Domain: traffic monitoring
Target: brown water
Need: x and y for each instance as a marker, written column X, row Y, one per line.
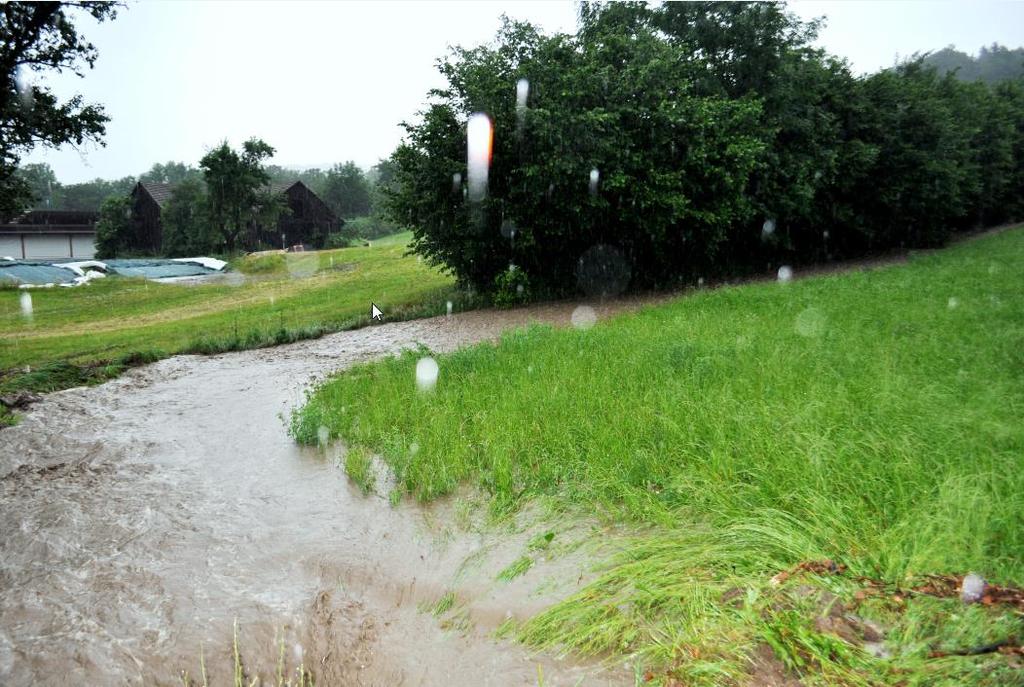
column 140, row 519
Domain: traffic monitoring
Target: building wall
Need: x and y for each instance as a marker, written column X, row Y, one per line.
column 84, row 246
column 10, row 246
column 48, row 246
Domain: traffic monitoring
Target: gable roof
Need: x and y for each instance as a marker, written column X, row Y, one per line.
column 282, row 186
column 160, row 192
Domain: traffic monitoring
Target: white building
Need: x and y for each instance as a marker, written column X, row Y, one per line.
column 49, row 235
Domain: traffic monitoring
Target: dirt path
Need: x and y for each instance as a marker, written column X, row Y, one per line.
column 139, row 519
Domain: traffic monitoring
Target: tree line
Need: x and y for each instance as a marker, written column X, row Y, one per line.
column 661, row 144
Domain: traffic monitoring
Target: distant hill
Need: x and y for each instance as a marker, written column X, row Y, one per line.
column 992, row 64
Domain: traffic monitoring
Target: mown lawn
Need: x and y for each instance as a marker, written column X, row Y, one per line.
column 117, row 321
column 874, row 419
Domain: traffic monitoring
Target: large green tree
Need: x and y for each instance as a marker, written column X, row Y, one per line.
column 36, row 38
column 114, row 228
column 235, row 183
column 347, row 191
column 187, row 230
column 42, row 183
column 615, row 166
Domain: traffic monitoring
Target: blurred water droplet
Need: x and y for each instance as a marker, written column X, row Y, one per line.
column 298, row 652
column 448, row 305
column 583, row 317
column 479, row 140
column 508, row 229
column 824, row 234
column 522, row 94
column 519, row 289
column 529, row 369
column 700, row 281
column 414, row 448
column 767, row 229
column 595, row 177
column 785, row 273
column 26, row 305
column 426, row 373
column 953, row 303
column 603, row 271
column 23, row 85
column 456, row 182
column 972, row 589
column 810, row 323
column 322, row 435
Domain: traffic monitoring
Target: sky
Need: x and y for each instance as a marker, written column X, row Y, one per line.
column 326, row 82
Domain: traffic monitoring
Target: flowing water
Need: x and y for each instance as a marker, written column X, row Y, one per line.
column 143, row 519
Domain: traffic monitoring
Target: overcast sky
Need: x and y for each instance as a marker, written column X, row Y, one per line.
column 325, row 82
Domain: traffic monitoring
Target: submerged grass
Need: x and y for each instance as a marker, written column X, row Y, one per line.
column 873, row 418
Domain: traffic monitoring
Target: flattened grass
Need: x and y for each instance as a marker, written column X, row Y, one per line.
column 875, row 418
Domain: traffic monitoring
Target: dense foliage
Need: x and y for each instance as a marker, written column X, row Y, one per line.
column 662, row 144
column 187, row 229
column 114, row 227
column 36, row 38
column 236, row 187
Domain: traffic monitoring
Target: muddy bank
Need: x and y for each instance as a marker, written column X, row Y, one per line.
column 140, row 519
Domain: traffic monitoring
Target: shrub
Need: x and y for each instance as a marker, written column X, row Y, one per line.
column 511, row 287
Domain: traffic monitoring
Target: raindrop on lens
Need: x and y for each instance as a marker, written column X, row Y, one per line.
column 700, row 281
column 414, row 448
column 448, row 305
column 298, row 652
column 24, row 87
column 522, row 93
column 595, row 177
column 785, row 274
column 810, row 323
column 322, row 435
column 583, row 317
column 479, row 139
column 767, row 229
column 26, row 304
column 603, row 271
column 456, row 182
column 953, row 302
column 508, row 229
column 426, row 374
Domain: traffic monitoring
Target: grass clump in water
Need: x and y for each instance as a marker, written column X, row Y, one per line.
column 359, row 468
column 872, row 418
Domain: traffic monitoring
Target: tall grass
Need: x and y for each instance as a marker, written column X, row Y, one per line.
column 875, row 418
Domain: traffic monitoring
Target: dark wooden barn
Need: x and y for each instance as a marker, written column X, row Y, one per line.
column 148, row 200
column 309, row 219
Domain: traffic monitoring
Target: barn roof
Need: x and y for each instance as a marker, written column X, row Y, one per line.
column 158, row 191
column 65, row 217
column 282, row 186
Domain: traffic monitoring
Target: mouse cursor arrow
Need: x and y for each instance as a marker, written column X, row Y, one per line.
column 375, row 313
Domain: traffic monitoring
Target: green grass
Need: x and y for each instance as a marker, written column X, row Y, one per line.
column 400, row 239
column 86, row 330
column 875, row 418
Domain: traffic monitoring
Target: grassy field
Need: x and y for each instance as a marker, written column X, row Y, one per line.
column 88, row 333
column 874, row 419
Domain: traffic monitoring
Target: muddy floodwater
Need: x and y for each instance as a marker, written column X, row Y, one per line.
column 142, row 519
